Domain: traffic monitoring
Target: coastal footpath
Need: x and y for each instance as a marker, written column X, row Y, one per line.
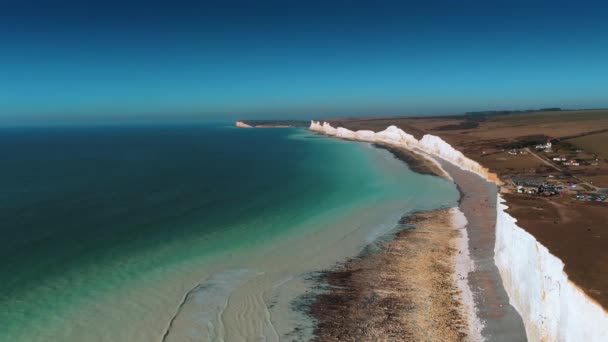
column 552, row 307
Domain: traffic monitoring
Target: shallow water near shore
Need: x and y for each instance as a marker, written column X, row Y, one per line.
column 185, row 233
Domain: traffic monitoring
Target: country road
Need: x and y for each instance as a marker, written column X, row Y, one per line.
column 543, row 160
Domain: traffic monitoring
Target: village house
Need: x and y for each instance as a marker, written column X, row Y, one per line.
column 530, row 186
column 547, row 146
column 562, row 158
column 543, row 146
column 527, row 189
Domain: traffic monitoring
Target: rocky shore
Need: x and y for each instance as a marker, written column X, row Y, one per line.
column 403, row 291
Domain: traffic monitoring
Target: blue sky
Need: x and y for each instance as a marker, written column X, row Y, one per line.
column 81, row 61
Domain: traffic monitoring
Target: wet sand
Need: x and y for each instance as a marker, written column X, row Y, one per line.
column 404, row 290
column 478, row 203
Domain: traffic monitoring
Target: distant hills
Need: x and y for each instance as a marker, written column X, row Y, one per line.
column 505, row 112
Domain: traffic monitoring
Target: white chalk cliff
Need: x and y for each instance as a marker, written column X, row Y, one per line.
column 552, row 307
column 395, row 136
column 241, row 124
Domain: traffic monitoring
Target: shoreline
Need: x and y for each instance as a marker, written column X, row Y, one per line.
column 532, row 284
column 489, row 313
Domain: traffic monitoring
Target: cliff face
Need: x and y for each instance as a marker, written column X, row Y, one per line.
column 395, row 136
column 552, row 307
column 242, row 125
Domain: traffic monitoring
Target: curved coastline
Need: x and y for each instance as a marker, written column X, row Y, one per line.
column 549, row 304
column 483, row 284
column 362, row 278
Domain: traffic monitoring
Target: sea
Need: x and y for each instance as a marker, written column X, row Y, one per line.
column 175, row 232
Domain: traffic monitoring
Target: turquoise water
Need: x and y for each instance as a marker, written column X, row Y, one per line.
column 106, row 229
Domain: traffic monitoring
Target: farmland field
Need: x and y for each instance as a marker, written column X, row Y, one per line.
column 594, row 143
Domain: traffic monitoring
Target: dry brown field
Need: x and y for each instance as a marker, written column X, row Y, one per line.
column 574, row 231
column 595, row 143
